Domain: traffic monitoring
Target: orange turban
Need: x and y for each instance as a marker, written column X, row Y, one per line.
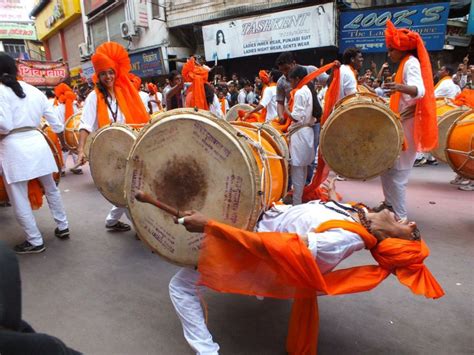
column 197, row 75
column 425, row 125
column 152, row 88
column 66, row 96
column 136, row 80
column 465, row 98
column 111, row 55
column 263, row 75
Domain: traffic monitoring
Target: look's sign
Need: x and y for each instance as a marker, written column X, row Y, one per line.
column 365, row 29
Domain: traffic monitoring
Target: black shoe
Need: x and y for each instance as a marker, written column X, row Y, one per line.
column 76, row 171
column 420, row 162
column 432, row 162
column 64, row 234
column 382, row 206
column 63, row 173
column 27, row 248
column 119, row 227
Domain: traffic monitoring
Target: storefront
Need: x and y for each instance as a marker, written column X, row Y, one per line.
column 147, row 63
column 59, row 27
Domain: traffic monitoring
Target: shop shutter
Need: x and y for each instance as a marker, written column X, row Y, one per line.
column 74, row 35
column 55, row 47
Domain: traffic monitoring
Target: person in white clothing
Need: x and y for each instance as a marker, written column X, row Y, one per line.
column 145, row 98
column 329, row 249
column 446, row 86
column 213, row 101
column 25, row 154
column 301, row 132
column 268, row 101
column 244, row 92
column 352, row 62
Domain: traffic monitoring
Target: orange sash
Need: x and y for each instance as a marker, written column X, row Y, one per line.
column 465, row 98
column 222, row 101
column 280, row 265
column 197, row 75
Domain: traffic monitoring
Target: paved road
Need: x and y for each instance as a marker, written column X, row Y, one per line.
column 106, row 293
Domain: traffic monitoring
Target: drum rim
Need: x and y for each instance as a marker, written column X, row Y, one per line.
column 451, row 128
column 229, row 131
column 458, row 110
column 57, row 177
column 235, row 108
column 72, row 131
column 115, row 126
column 380, row 107
column 377, row 99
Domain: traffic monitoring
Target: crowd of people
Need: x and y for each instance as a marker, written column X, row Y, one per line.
column 295, row 98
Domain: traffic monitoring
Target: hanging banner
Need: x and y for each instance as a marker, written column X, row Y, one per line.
column 17, row 31
column 15, row 10
column 147, row 63
column 141, row 13
column 42, row 73
column 365, row 29
column 308, row 27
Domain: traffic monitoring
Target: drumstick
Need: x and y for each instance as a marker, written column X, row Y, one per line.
column 146, row 198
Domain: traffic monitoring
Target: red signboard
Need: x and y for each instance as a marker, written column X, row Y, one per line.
column 39, row 73
column 92, row 5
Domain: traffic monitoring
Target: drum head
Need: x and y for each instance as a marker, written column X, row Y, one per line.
column 460, row 146
column 71, row 131
column 233, row 113
column 108, row 155
column 360, row 140
column 444, row 123
column 190, row 160
column 367, row 97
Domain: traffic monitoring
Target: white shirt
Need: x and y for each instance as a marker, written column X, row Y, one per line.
column 302, row 141
column 348, row 81
column 269, row 102
column 145, row 98
column 89, row 120
column 154, row 105
column 215, row 108
column 328, row 248
column 241, row 99
column 61, row 111
column 447, row 88
column 25, row 155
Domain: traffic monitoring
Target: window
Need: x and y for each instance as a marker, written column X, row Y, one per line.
column 14, row 50
column 99, row 32
column 158, row 10
column 114, row 19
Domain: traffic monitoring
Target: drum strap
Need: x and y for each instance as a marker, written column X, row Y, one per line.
column 17, row 130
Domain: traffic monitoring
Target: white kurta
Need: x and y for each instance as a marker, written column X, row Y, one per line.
column 348, row 81
column 447, row 88
column 154, row 106
column 302, row 141
column 215, row 108
column 242, row 98
column 269, row 102
column 145, row 98
column 25, row 155
column 89, row 113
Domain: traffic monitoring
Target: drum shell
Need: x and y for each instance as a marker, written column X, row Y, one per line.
column 71, row 131
column 230, row 195
column 108, row 154
column 460, row 145
column 362, row 138
column 445, row 121
column 232, row 114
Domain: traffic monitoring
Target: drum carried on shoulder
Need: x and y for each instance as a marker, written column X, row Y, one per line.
column 190, row 160
column 362, row 138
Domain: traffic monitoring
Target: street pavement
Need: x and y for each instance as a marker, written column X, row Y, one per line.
column 106, row 293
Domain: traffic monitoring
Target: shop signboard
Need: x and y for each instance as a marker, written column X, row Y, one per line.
column 57, row 14
column 302, row 28
column 42, row 73
column 365, row 29
column 147, row 63
column 87, row 71
column 141, row 13
column 92, row 5
column 15, row 10
column 17, row 30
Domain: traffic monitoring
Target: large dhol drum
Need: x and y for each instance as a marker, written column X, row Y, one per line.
column 233, row 113
column 362, row 137
column 190, row 160
column 108, row 154
column 71, row 130
column 447, row 113
column 460, row 145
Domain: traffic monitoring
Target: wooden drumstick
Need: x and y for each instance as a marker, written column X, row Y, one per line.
column 146, row 198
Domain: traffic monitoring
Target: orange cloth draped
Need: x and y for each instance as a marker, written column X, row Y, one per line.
column 136, row 80
column 197, row 75
column 35, row 194
column 465, row 98
column 280, row 265
column 111, row 55
column 153, row 90
column 425, row 124
column 222, row 101
column 65, row 95
column 312, row 191
column 253, row 117
column 263, row 75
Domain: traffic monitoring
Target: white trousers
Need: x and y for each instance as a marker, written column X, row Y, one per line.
column 184, row 295
column 66, row 155
column 115, row 214
column 298, row 179
column 18, row 195
column 394, row 185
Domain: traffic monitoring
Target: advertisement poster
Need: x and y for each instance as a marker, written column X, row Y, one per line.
column 16, row 10
column 365, row 29
column 17, row 31
column 40, row 73
column 308, row 27
column 92, row 5
column 147, row 63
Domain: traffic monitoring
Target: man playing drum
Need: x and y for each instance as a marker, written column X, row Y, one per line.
column 412, row 98
column 352, row 62
column 283, row 265
column 114, row 99
column 25, row 154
